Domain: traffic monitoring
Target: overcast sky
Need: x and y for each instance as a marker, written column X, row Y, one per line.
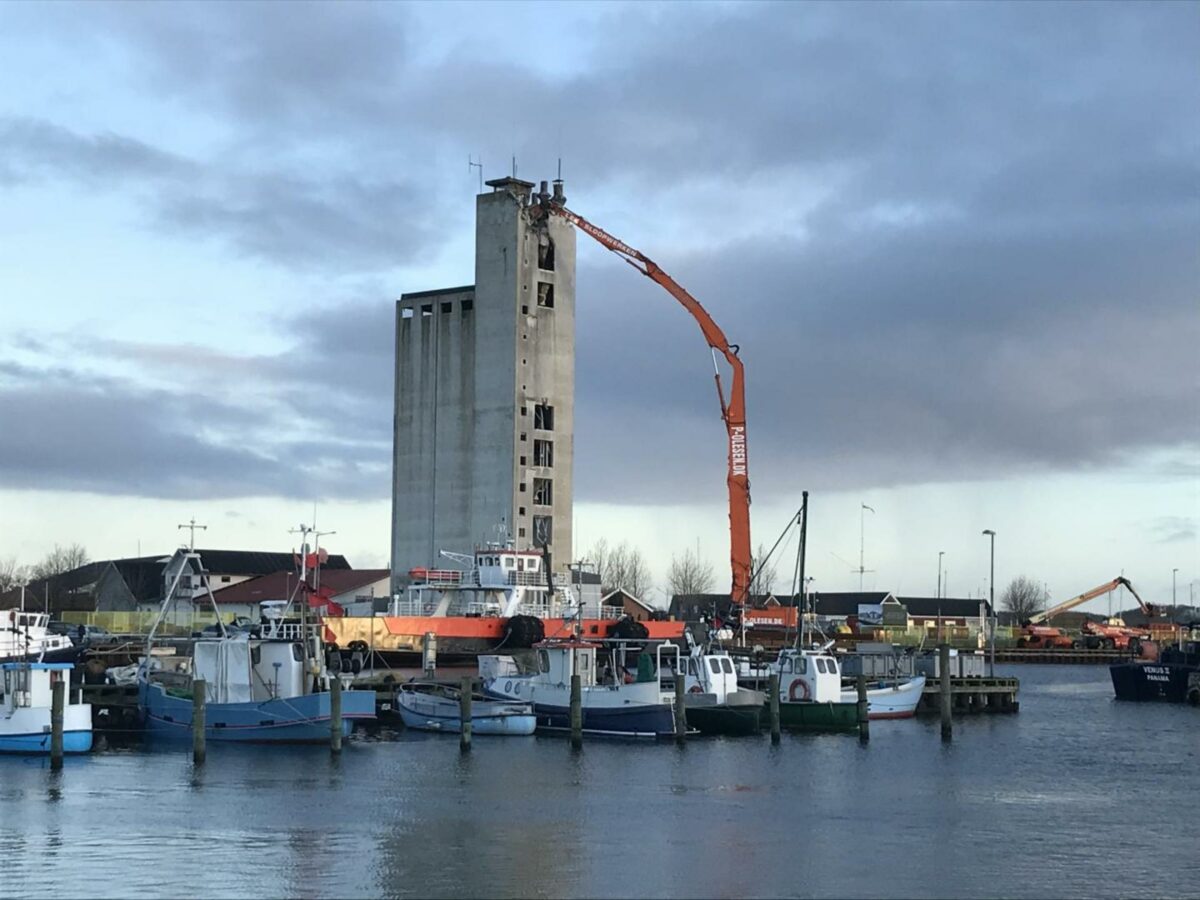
column 956, row 243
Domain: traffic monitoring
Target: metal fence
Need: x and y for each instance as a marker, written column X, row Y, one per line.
column 176, row 622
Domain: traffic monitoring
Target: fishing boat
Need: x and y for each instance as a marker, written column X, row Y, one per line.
column 26, row 635
column 26, row 692
column 1174, row 677
column 890, row 701
column 610, row 705
column 714, row 702
column 429, row 706
column 810, row 691
column 263, row 687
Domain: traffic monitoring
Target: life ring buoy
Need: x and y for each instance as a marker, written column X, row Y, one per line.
column 695, row 689
column 798, row 686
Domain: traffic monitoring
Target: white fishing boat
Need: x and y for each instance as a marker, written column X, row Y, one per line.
column 429, row 706
column 25, row 635
column 610, row 705
column 890, row 701
column 26, row 693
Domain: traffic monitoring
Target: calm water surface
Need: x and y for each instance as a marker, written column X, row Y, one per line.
column 1076, row 796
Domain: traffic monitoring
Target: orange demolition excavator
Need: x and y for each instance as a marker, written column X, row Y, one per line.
column 733, row 410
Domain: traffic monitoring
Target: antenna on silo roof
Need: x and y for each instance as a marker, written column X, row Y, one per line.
column 476, row 165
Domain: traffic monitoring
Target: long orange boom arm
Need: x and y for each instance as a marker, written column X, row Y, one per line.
column 733, row 411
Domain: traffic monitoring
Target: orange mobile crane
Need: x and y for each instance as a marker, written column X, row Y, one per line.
column 733, row 410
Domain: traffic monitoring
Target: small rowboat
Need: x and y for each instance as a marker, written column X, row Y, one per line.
column 891, row 701
column 429, row 706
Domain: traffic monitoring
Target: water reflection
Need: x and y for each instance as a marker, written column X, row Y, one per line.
column 824, row 816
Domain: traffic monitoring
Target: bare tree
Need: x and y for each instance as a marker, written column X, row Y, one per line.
column 689, row 575
column 11, row 575
column 620, row 567
column 763, row 581
column 59, row 560
column 1023, row 597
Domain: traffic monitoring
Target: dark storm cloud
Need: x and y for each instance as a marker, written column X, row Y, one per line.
column 65, row 430
column 337, row 222
column 953, row 241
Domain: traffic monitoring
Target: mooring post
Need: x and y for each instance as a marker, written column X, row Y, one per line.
column 466, row 686
column 945, row 687
column 198, row 720
column 680, row 711
column 428, row 654
column 56, row 724
column 576, row 711
column 773, row 706
column 335, row 714
column 864, row 721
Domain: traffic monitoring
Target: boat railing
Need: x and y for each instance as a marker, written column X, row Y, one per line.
column 411, row 606
column 289, row 631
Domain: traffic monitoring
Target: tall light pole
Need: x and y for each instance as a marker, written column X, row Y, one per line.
column 862, row 526
column 992, row 604
column 941, row 553
column 1173, row 571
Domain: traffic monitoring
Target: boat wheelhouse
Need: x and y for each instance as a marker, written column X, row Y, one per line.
column 496, row 581
column 26, row 635
column 26, row 694
column 810, row 691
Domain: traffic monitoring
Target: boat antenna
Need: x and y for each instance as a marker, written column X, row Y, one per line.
column 802, row 551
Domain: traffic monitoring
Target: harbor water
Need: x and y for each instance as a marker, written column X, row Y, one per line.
column 1075, row 796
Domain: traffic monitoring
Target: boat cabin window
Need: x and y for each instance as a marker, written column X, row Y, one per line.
column 715, row 665
column 691, row 666
column 297, row 653
column 786, row 665
column 543, row 661
column 802, row 666
column 727, row 665
column 508, row 562
column 255, row 655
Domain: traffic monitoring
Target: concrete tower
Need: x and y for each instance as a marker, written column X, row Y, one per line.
column 485, row 393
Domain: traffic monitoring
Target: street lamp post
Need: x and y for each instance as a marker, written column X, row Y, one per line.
column 941, row 553
column 1173, row 571
column 992, row 604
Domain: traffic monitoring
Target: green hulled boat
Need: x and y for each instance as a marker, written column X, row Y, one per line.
column 810, row 692
column 809, row 715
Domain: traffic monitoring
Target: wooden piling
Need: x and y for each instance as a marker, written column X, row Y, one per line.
column 576, row 711
column 199, row 701
column 680, row 709
column 773, row 706
column 57, row 695
column 864, row 720
column 335, row 714
column 466, row 686
column 946, row 696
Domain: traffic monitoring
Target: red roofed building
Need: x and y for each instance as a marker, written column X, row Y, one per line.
column 340, row 586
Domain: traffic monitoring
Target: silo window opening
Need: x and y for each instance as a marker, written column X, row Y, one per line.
column 543, row 453
column 543, row 416
column 543, row 528
column 545, row 295
column 545, row 253
column 427, row 309
column 406, row 312
column 543, row 492
column 467, row 306
column 447, row 306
